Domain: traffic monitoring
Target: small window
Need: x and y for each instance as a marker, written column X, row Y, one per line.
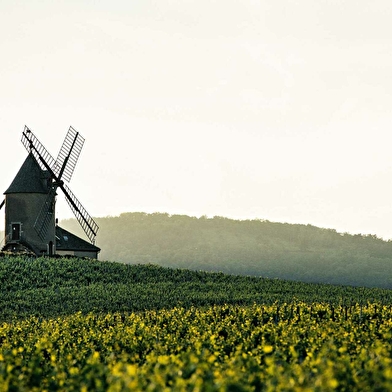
column 15, row 231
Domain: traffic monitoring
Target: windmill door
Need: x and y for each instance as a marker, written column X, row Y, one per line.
column 15, row 231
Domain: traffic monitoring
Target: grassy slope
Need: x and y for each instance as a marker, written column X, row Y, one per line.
column 51, row 287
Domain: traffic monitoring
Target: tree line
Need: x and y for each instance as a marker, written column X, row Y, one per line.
column 245, row 247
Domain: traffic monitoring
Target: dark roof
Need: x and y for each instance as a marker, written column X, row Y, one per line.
column 68, row 241
column 30, row 178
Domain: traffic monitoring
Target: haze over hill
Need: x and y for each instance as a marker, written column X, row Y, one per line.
column 248, row 247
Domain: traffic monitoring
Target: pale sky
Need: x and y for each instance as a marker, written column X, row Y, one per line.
column 277, row 110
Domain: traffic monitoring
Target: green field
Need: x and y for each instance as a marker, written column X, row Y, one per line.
column 83, row 325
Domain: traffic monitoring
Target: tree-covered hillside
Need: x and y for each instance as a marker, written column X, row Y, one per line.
column 249, row 247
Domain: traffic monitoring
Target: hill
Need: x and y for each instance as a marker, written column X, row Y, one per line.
column 48, row 287
column 249, row 247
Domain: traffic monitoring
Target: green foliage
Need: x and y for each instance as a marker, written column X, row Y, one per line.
column 88, row 325
column 250, row 247
column 48, row 287
column 286, row 347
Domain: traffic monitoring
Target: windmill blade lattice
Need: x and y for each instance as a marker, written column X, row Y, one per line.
column 85, row 220
column 45, row 216
column 65, row 165
column 68, row 155
column 33, row 145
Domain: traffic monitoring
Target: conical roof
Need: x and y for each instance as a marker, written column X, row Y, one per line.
column 30, row 178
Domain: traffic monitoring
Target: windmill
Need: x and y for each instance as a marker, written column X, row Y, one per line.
column 31, row 198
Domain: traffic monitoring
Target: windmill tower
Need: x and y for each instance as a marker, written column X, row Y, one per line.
column 30, row 201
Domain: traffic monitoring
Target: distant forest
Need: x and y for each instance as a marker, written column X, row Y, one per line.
column 245, row 247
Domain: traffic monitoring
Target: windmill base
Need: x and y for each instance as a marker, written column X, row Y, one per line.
column 16, row 249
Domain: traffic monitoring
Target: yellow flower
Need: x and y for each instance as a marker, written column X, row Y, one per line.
column 268, row 349
column 164, row 359
column 73, row 371
column 131, row 370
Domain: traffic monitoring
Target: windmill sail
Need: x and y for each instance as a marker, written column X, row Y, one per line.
column 33, row 145
column 69, row 154
column 45, row 217
column 63, row 166
column 86, row 221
